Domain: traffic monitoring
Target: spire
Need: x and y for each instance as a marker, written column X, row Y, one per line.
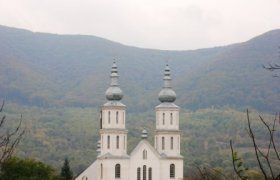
column 167, row 94
column 98, row 150
column 114, row 92
column 144, row 134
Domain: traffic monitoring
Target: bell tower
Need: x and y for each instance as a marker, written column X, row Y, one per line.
column 113, row 133
column 167, row 136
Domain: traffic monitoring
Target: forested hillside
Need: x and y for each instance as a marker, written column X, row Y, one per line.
column 72, row 70
column 57, row 82
column 56, row 133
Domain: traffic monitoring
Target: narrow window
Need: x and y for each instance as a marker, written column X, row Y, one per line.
column 101, row 123
column 108, row 142
column 162, row 143
column 144, row 154
column 118, row 142
column 117, row 117
column 171, row 118
column 156, row 142
column 101, row 171
column 109, row 117
column 172, row 171
column 163, row 118
column 123, row 118
column 171, row 143
column 157, row 116
column 150, row 173
column 139, row 173
column 118, row 171
column 178, row 145
column 144, row 172
column 124, row 142
column 102, row 142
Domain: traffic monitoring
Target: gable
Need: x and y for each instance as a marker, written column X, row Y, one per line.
column 144, row 145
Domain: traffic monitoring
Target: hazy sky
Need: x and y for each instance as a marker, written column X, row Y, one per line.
column 161, row 24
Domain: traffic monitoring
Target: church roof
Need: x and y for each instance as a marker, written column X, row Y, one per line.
column 114, row 103
column 167, row 94
column 110, row 156
column 163, row 155
column 144, row 142
column 167, row 105
column 114, row 92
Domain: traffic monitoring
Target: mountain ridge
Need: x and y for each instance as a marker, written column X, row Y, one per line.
column 72, row 70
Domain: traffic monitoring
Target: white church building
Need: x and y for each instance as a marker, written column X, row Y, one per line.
column 161, row 161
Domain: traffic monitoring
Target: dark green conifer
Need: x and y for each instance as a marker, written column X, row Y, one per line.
column 66, row 173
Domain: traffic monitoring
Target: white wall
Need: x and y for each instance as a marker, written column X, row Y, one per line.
column 164, row 119
column 136, row 160
column 122, row 150
column 167, row 143
column 165, row 169
column 90, row 173
column 112, row 122
column 113, row 126
column 109, row 169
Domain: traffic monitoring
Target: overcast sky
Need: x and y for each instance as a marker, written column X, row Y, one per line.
column 160, row 24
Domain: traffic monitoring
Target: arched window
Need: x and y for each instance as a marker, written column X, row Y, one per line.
column 162, row 143
column 118, row 142
column 109, row 117
column 144, row 172
column 163, row 118
column 123, row 142
column 84, row 178
column 144, row 154
column 150, row 173
column 117, row 117
column 178, row 143
column 171, row 118
column 139, row 173
column 171, row 143
column 118, row 171
column 108, row 142
column 102, row 142
column 156, row 143
column 172, row 171
column 101, row 123
column 101, row 171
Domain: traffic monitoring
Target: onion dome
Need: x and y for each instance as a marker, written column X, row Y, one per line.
column 144, row 134
column 98, row 150
column 167, row 94
column 114, row 92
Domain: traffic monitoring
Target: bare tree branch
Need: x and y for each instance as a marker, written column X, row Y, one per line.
column 233, row 160
column 9, row 141
column 255, row 146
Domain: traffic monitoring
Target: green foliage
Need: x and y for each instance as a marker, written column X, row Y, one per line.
column 53, row 133
column 255, row 175
column 26, row 169
column 240, row 169
column 66, row 173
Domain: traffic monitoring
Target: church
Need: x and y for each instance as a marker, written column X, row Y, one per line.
column 161, row 161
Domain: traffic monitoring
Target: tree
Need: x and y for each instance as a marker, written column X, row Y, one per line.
column 8, row 139
column 208, row 173
column 66, row 172
column 265, row 157
column 26, row 169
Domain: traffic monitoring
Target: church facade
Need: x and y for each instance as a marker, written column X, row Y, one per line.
column 161, row 161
